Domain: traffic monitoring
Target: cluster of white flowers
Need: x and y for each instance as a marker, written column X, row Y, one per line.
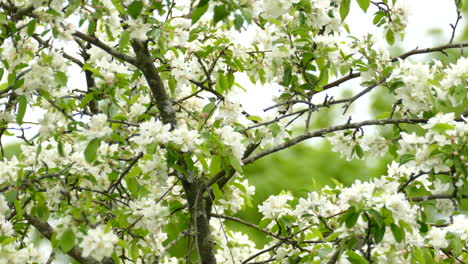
column 187, row 139
column 9, row 253
column 453, row 85
column 43, row 73
column 230, row 111
column 181, row 31
column 154, row 131
column 155, row 166
column 235, row 247
column 233, row 140
column 235, row 196
column 275, row 206
column 184, row 69
column 52, row 123
column 422, row 146
column 345, row 143
column 138, row 29
column 148, row 214
column 98, row 243
column 6, row 228
column 275, row 8
column 9, row 170
column 97, row 127
column 417, row 92
column 18, row 53
column 151, row 131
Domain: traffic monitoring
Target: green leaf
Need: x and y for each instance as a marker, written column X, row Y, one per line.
column 92, row 26
column 222, row 83
column 440, row 128
column 378, row 17
column 383, row 115
column 134, row 251
column 359, row 152
column 398, row 232
column 67, row 241
column 31, row 27
column 215, row 165
column 10, row 196
column 363, row 4
column 61, row 78
column 88, row 98
column 376, row 217
column 22, row 105
column 61, row 152
column 390, row 37
column 217, row 192
column 220, row 12
column 203, row 2
column 287, row 76
column 198, row 12
column 264, row 223
column 355, row 258
column 378, row 233
column 124, row 41
column 135, row 8
column 344, row 9
column 352, row 219
column 406, row 158
column 42, row 211
column 238, row 22
column 90, row 152
column 132, row 185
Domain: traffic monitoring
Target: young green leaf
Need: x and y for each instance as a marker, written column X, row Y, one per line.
column 363, row 4
column 31, row 27
column 198, row 12
column 344, row 9
column 61, row 78
column 90, row 152
column 67, row 241
column 355, row 258
column 390, row 37
column 22, row 105
column 124, row 41
column 397, row 232
column 220, row 12
column 135, row 8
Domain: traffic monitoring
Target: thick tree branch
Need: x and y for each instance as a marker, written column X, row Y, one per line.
column 146, row 65
column 200, row 211
column 98, row 43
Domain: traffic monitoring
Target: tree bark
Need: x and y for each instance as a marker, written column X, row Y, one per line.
column 200, row 209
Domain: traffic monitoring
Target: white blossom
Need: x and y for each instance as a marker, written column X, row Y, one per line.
column 275, row 206
column 98, row 127
column 98, row 243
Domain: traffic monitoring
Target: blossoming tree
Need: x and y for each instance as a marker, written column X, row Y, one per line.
column 141, row 146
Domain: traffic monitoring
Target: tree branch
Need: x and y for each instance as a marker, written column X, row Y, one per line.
column 324, row 131
column 98, row 43
column 145, row 63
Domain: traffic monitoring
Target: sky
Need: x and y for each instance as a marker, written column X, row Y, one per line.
column 424, row 15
